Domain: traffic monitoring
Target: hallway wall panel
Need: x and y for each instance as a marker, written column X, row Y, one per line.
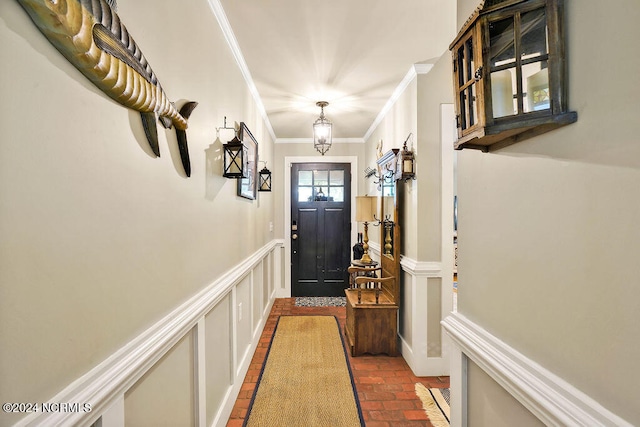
column 100, row 240
column 548, row 232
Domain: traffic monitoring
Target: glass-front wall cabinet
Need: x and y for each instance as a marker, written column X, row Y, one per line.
column 509, row 73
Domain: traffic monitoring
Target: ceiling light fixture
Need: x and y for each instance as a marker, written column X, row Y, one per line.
column 322, row 130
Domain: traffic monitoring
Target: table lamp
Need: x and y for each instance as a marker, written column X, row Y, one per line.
column 366, row 213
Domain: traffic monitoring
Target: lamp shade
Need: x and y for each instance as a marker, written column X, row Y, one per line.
column 366, row 208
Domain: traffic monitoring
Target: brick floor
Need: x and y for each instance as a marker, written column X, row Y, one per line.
column 385, row 385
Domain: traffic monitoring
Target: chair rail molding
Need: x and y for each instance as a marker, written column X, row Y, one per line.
column 421, row 268
column 550, row 398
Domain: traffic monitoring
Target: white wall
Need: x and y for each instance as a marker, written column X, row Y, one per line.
column 99, row 241
column 547, row 227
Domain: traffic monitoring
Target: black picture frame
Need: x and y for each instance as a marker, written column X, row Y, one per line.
column 247, row 187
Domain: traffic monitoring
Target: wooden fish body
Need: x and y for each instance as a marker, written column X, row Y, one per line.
column 90, row 35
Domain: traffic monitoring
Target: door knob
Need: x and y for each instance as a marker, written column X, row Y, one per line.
column 294, row 236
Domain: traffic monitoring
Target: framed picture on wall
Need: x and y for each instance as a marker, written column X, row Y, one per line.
column 247, row 187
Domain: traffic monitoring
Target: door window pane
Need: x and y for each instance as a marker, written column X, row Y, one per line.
column 336, row 177
column 320, row 178
column 336, row 194
column 305, row 194
column 321, row 194
column 305, row 178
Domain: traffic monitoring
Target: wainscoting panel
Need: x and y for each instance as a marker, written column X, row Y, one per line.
column 204, row 346
column 550, row 398
column 218, row 356
column 426, row 298
column 168, row 384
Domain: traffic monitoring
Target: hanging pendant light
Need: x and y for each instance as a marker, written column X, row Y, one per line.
column 322, row 131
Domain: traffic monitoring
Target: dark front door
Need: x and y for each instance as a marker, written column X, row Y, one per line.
column 320, row 228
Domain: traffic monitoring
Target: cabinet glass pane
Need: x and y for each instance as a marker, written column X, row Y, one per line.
column 463, row 111
column 472, row 110
column 503, row 90
column 501, row 35
column 320, row 178
column 460, row 66
column 535, row 49
column 536, row 87
column 533, row 28
column 469, row 60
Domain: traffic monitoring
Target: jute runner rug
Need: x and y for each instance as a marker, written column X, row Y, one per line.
column 306, row 379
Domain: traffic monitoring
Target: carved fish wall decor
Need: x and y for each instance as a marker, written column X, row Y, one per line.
column 90, row 35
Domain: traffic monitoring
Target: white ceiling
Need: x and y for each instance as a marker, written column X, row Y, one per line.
column 351, row 53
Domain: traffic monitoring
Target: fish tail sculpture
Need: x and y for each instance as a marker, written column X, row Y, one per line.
column 91, row 37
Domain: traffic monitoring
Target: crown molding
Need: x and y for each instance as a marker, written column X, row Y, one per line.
column 310, row 141
column 227, row 31
column 414, row 70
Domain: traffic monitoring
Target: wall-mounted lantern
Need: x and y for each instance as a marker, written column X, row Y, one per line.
column 234, row 154
column 265, row 179
column 406, row 163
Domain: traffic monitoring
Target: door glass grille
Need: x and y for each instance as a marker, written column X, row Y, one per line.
column 321, row 186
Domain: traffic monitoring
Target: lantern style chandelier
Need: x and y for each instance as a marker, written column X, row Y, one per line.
column 322, row 130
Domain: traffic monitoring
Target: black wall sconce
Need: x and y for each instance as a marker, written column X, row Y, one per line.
column 265, row 179
column 234, row 155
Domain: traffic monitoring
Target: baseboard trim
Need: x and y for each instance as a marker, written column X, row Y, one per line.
column 106, row 383
column 422, row 365
column 550, row 398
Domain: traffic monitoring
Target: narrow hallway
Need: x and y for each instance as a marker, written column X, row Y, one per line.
column 385, row 385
